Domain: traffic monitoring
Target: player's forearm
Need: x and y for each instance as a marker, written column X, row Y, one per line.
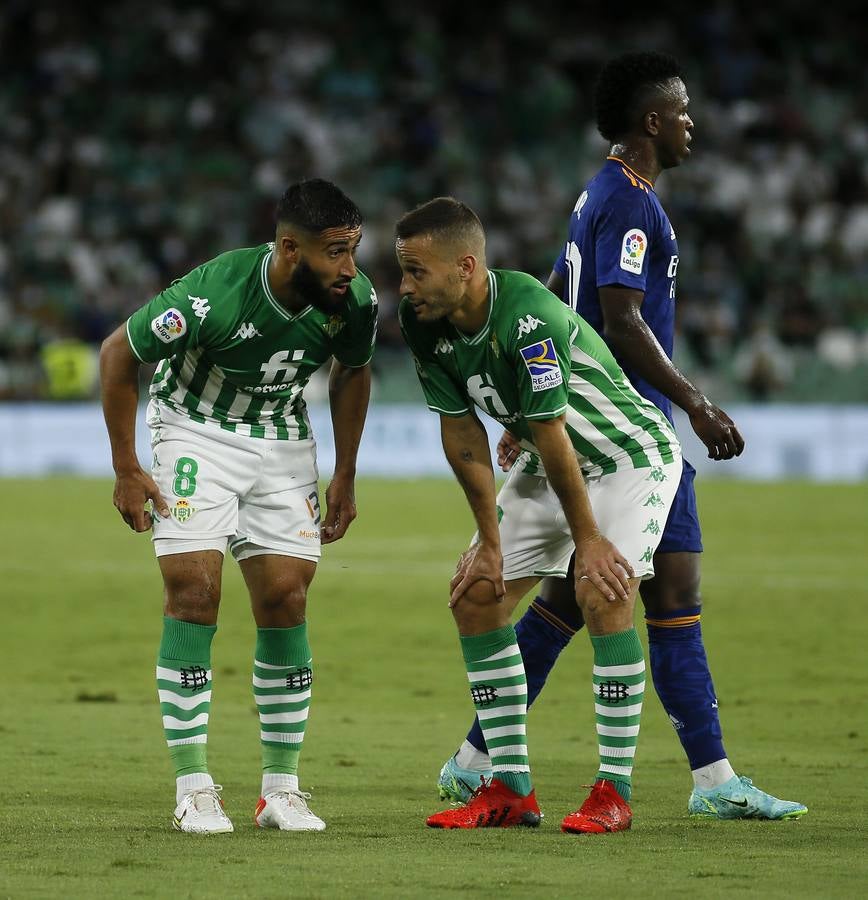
column 466, row 446
column 119, row 391
column 564, row 475
column 349, row 394
column 634, row 343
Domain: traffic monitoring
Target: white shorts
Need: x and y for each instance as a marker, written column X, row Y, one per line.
column 630, row 506
column 255, row 495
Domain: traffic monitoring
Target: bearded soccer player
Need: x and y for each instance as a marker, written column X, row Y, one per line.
column 606, row 467
column 618, row 269
column 234, row 465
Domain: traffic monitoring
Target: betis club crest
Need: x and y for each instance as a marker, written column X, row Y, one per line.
column 182, row 511
column 334, row 325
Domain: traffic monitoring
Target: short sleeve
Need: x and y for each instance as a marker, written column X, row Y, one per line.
column 560, row 265
column 542, row 362
column 169, row 323
column 354, row 346
column 442, row 394
column 623, row 232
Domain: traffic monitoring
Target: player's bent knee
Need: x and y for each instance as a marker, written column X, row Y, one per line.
column 675, row 585
column 478, row 609
column 604, row 616
column 290, row 599
column 193, row 602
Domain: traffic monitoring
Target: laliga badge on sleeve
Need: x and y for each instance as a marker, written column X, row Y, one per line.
column 169, row 326
column 633, row 249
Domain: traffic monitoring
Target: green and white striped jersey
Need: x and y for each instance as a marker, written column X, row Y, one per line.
column 537, row 359
column 232, row 355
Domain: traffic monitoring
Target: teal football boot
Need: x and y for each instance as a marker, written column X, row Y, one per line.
column 739, row 799
column 457, row 784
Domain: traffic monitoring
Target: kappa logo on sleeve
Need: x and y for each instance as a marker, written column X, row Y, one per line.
column 169, row 325
column 542, row 363
column 633, row 249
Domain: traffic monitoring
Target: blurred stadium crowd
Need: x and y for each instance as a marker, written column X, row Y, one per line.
column 139, row 140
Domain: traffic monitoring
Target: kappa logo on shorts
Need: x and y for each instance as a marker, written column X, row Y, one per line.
column 633, row 249
column 542, row 363
column 183, row 512
column 169, row 326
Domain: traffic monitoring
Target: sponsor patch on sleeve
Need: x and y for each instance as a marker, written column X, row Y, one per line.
column 542, row 364
column 633, row 249
column 169, row 325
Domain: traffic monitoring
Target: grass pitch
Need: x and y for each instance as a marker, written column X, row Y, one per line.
column 88, row 790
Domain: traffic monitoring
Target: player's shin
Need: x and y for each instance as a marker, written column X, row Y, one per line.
column 498, row 688
column 619, row 687
column 542, row 634
column 282, row 679
column 184, row 689
column 683, row 682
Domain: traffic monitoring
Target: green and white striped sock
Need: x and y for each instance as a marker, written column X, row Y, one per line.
column 282, row 679
column 498, row 687
column 619, row 688
column 184, row 689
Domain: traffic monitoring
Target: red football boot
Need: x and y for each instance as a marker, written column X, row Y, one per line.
column 492, row 805
column 604, row 810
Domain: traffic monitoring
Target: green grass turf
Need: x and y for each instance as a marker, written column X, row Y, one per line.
column 88, row 790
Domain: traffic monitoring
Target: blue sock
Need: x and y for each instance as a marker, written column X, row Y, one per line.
column 683, row 683
column 541, row 637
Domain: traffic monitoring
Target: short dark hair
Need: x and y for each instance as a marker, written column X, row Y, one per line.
column 315, row 205
column 623, row 83
column 440, row 217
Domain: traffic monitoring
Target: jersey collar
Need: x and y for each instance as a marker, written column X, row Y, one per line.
column 281, row 310
column 641, row 178
column 483, row 332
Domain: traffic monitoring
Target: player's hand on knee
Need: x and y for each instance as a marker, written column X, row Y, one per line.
column 508, row 449
column 599, row 562
column 132, row 492
column 480, row 563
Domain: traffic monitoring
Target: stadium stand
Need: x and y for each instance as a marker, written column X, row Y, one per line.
column 139, row 140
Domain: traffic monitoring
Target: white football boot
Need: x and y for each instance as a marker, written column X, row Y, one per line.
column 288, row 811
column 201, row 812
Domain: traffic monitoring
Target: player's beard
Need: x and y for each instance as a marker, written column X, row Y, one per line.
column 305, row 283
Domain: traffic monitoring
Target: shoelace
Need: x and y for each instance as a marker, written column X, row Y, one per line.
column 484, row 785
column 303, row 797
column 208, row 799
